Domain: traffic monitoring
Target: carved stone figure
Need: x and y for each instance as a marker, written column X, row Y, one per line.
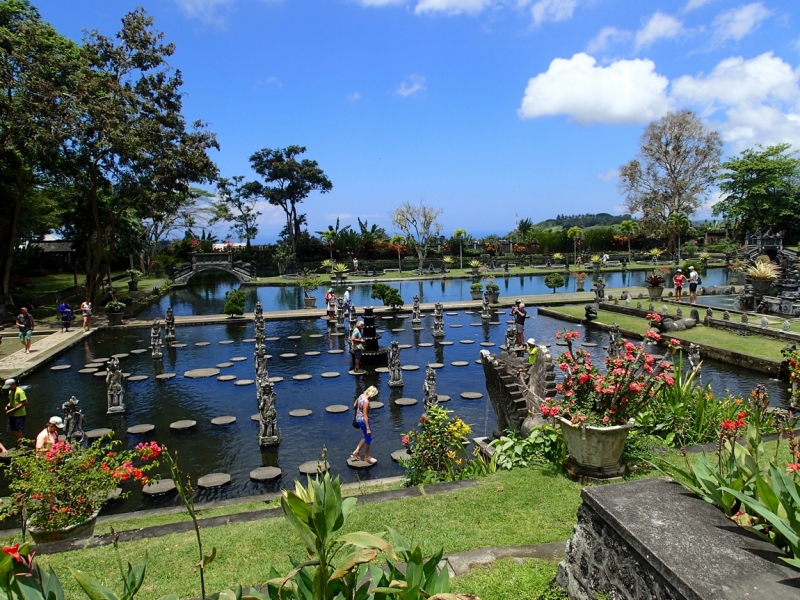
column 169, row 327
column 599, row 289
column 114, row 388
column 73, row 421
column 339, row 313
column 694, row 356
column 485, row 314
column 395, row 372
column 438, row 320
column 615, row 342
column 415, row 318
column 429, row 395
column 259, row 312
column 155, row 340
column 511, row 338
column 268, row 434
column 590, row 312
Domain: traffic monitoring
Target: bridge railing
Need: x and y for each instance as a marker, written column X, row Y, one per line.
column 204, row 258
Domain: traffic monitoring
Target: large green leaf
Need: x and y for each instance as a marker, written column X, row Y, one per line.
column 351, row 561
column 295, row 511
column 94, row 590
column 362, row 539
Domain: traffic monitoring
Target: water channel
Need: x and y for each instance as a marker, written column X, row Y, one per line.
column 234, row 448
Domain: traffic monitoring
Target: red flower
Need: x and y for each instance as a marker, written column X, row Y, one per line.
column 791, row 469
column 653, row 335
column 13, row 552
column 405, row 439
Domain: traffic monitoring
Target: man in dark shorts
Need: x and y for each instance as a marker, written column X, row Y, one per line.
column 25, row 324
column 357, row 344
column 693, row 276
column 15, row 409
column 520, row 314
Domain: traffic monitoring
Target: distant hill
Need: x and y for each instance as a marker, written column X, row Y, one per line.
column 584, row 221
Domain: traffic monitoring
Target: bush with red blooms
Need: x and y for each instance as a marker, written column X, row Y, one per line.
column 587, row 396
column 66, row 484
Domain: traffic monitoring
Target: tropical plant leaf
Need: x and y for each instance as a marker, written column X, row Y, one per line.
column 352, row 561
column 94, row 590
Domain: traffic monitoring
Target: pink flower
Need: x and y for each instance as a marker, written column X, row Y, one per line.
column 405, row 439
column 653, row 335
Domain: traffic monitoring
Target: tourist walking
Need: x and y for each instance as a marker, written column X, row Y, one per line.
column 49, row 435
column 355, row 265
column 362, row 418
column 86, row 313
column 520, row 314
column 330, row 301
column 26, row 325
column 109, row 297
column 65, row 310
column 694, row 279
column 15, row 409
column 678, row 281
column 357, row 346
column 348, row 301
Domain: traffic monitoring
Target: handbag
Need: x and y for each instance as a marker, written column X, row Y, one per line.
column 356, row 424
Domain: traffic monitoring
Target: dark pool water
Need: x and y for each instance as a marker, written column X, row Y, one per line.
column 234, row 449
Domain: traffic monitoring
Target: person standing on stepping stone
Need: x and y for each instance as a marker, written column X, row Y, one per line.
column 348, row 301
column 362, row 418
column 520, row 314
column 330, row 300
column 357, row 345
column 15, row 409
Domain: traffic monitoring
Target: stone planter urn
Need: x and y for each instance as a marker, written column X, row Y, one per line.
column 311, row 301
column 655, row 292
column 78, row 531
column 735, row 279
column 761, row 286
column 476, row 295
column 493, row 297
column 580, row 286
column 594, row 452
column 114, row 318
column 133, row 286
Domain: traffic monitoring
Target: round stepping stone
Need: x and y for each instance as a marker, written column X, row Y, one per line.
column 417, row 329
column 225, row 342
column 467, row 341
column 265, row 473
column 376, row 404
column 180, row 345
column 360, row 464
column 213, row 480
column 311, row 467
column 410, row 367
column 102, row 361
column 294, row 337
column 425, row 344
column 238, row 359
column 476, row 324
column 404, row 346
column 202, row 344
column 381, row 369
column 459, row 363
column 156, row 488
column 201, row 373
column 276, row 379
column 182, row 424
column 88, row 370
column 380, row 331
column 399, row 455
column 312, row 353
column 456, row 325
column 60, row 367
column 487, row 344
column 224, row 420
column 120, row 355
column 496, row 322
column 548, row 345
column 478, row 361
column 139, row 350
column 335, row 351
column 224, row 365
column 272, row 339
column 94, row 434
column 241, row 382
column 402, row 316
column 141, row 429
column 249, row 340
column 561, row 343
column 351, row 372
column 301, row 377
column 166, row 376
column 288, row 355
column 300, row 412
column 436, row 365
column 226, row 378
column 137, row 377
column 442, row 398
column 451, row 314
column 315, row 336
column 94, row 366
column 446, row 343
column 100, row 373
column 398, row 330
column 471, row 395
column 329, row 374
column 405, row 401
column 336, row 409
column 336, row 334
column 589, row 345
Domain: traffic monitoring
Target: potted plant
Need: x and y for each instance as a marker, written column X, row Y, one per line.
column 654, row 253
column 736, row 269
column 558, row 256
column 475, row 264
column 114, row 312
column 135, row 275
column 63, row 489
column 704, row 256
column 340, row 271
column 597, row 262
column 447, row 263
column 308, row 280
column 493, row 292
column 476, row 290
column 762, row 274
column 596, row 410
column 328, row 264
column 655, row 286
column 580, row 278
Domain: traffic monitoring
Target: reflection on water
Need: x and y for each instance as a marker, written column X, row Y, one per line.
column 726, row 302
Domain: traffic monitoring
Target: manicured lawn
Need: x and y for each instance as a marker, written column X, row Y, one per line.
column 510, row 579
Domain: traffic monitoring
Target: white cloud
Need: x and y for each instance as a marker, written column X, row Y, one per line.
column 694, row 5
column 411, row 85
column 626, row 91
column 354, row 96
column 204, row 10
column 736, row 23
column 452, row 7
column 607, row 36
column 658, row 27
column 553, row 10
column 608, row 175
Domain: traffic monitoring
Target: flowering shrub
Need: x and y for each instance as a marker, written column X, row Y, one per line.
column 65, row 485
column 612, row 398
column 436, row 449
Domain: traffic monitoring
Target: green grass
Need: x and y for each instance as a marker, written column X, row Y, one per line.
column 510, row 579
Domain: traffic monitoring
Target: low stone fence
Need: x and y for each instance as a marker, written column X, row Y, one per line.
column 653, row 539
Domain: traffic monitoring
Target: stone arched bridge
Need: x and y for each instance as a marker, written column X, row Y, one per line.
column 212, row 261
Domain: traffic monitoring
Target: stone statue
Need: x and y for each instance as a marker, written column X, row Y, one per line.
column 511, row 338
column 764, row 322
column 268, row 434
column 786, row 326
column 438, row 320
column 395, row 372
column 114, row 388
column 679, row 311
column 353, row 318
column 415, row 318
column 73, row 421
column 340, row 313
column 429, row 395
column 485, row 315
column 726, row 316
column 169, row 327
column 615, row 342
column 155, row 340
column 260, row 359
column 259, row 312
column 590, row 312
column 694, row 357
column 599, row 289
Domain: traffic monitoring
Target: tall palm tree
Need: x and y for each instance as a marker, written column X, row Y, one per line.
column 331, row 235
column 397, row 242
column 460, row 235
column 678, row 223
column 629, row 228
column 575, row 233
column 523, row 227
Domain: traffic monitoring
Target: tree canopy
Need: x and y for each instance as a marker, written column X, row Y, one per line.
column 420, row 225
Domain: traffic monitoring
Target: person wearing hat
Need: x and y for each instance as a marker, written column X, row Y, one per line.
column 693, row 278
column 362, row 418
column 357, row 345
column 15, row 409
column 330, row 300
column 678, row 280
column 348, row 302
column 532, row 349
column 520, row 314
column 49, row 435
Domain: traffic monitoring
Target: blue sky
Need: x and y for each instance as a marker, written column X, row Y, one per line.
column 492, row 110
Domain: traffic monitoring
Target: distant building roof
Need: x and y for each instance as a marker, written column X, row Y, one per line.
column 58, row 246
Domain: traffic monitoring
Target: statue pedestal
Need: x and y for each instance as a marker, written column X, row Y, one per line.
column 269, row 440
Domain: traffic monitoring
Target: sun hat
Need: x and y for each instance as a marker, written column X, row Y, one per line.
column 691, row 268
column 349, row 288
column 57, row 422
column 330, row 289
column 679, row 271
column 531, row 342
column 9, row 383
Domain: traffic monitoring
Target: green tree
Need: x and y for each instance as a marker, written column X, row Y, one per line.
column 288, row 182
column 234, row 302
column 388, row 294
column 523, row 227
column 629, row 228
column 398, row 243
column 575, row 233
column 332, row 235
column 677, row 163
column 677, row 224
column 460, row 236
column 761, row 189
column 420, row 225
column 554, row 280
column 236, row 205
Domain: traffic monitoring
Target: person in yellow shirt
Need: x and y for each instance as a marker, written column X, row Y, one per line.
column 15, row 409
column 532, row 349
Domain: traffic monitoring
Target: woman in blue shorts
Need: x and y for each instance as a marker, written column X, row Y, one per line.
column 362, row 418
